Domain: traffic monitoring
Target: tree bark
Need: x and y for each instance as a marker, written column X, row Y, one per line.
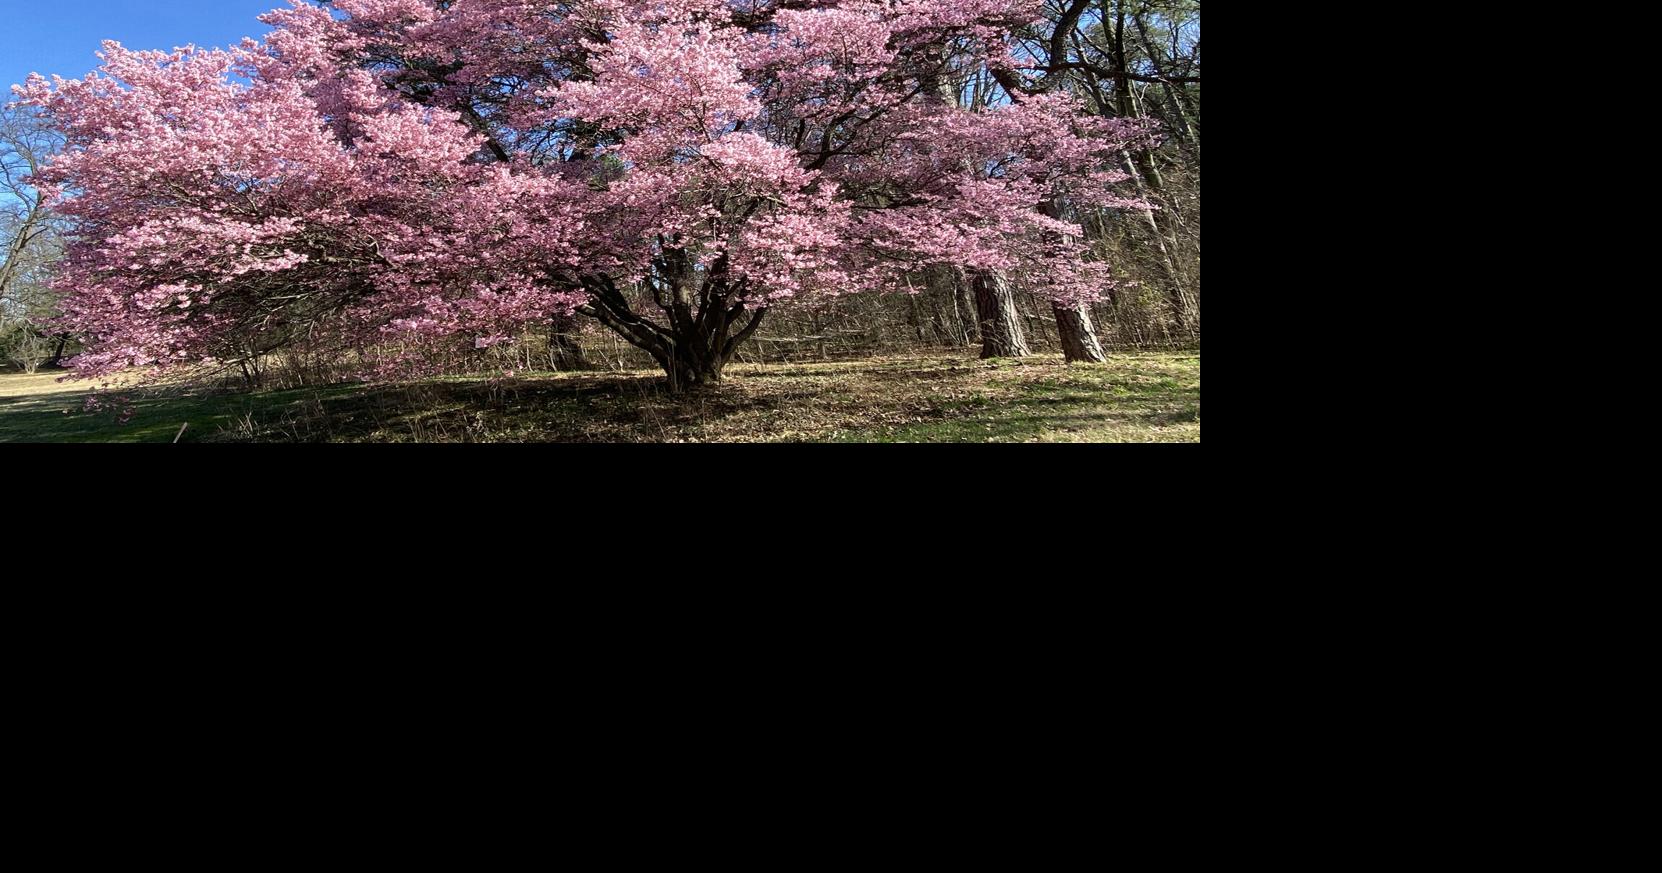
column 564, row 352
column 1078, row 335
column 700, row 355
column 694, row 350
column 1001, row 333
column 56, row 362
column 1074, row 330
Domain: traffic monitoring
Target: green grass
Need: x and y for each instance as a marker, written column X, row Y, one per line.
column 157, row 416
column 1141, row 397
column 1129, row 399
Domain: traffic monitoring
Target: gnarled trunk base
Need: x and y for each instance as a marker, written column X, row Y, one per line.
column 694, row 350
column 687, row 373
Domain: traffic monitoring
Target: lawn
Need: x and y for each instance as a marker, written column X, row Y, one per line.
column 1136, row 397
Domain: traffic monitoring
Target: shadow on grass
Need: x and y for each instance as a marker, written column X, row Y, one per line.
column 943, row 400
column 156, row 416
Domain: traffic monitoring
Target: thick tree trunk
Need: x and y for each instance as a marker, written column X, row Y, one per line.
column 694, row 351
column 1078, row 335
column 1074, row 330
column 1001, row 333
column 688, row 372
column 699, row 356
column 564, row 352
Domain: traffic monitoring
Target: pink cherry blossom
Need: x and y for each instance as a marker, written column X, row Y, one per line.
column 404, row 173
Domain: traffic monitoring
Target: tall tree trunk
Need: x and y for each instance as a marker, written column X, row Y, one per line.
column 1079, row 341
column 1144, row 174
column 995, row 303
column 1073, row 323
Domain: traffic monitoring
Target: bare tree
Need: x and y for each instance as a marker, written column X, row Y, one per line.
column 31, row 240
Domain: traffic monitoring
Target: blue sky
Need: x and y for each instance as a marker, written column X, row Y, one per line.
column 59, row 36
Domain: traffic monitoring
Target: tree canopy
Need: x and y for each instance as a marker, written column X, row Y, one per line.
column 400, row 173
